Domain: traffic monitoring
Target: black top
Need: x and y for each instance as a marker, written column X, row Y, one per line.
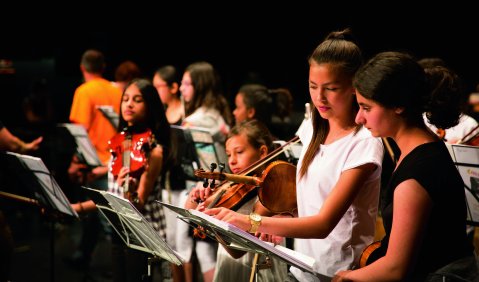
column 445, row 239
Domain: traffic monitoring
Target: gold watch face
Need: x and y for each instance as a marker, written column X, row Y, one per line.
column 255, row 217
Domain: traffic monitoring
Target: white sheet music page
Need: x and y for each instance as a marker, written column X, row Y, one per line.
column 466, row 159
column 280, row 251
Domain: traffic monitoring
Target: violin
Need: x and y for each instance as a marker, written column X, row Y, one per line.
column 277, row 184
column 130, row 149
column 230, row 194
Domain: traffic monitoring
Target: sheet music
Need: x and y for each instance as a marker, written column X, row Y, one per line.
column 466, row 159
column 110, row 114
column 197, row 149
column 49, row 191
column 136, row 232
column 84, row 146
column 247, row 241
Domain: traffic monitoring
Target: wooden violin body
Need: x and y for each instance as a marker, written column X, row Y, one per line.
column 278, row 190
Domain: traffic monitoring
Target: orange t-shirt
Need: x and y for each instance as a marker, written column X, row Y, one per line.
column 84, row 111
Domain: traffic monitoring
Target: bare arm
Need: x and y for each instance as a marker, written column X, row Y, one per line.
column 315, row 226
column 151, row 173
column 412, row 207
column 10, row 142
column 86, row 206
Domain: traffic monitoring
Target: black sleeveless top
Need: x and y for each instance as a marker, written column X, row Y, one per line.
column 445, row 239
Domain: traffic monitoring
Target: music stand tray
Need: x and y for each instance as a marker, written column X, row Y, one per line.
column 131, row 226
column 239, row 239
column 85, row 149
column 35, row 175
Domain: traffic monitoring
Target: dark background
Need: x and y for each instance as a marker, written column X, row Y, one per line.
column 271, row 47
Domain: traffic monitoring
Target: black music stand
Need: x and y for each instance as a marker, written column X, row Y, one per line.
column 234, row 237
column 33, row 173
column 47, row 194
column 110, row 115
column 85, row 149
column 132, row 227
column 197, row 148
column 466, row 159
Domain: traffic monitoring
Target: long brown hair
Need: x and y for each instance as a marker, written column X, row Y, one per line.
column 344, row 56
column 208, row 90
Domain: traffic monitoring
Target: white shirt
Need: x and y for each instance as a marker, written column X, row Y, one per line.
column 341, row 249
column 454, row 134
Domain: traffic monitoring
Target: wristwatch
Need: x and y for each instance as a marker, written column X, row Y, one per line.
column 255, row 220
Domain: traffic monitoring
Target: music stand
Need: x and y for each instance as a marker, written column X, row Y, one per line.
column 132, row 227
column 466, row 159
column 110, row 115
column 85, row 149
column 242, row 240
column 197, row 149
column 291, row 152
column 34, row 175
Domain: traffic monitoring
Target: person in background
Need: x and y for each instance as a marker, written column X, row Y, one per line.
column 338, row 173
column 96, row 91
column 473, row 104
column 247, row 143
column 270, row 106
column 126, row 72
column 466, row 127
column 141, row 110
column 205, row 106
column 166, row 82
column 424, row 205
column 10, row 142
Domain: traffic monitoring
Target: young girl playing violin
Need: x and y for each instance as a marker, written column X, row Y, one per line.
column 338, row 173
column 141, row 111
column 246, row 143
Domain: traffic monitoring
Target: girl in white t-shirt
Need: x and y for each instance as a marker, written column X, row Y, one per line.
column 338, row 173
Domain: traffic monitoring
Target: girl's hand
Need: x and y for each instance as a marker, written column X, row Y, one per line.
column 32, row 146
column 197, row 196
column 275, row 239
column 341, row 276
column 120, row 180
column 122, row 177
column 239, row 220
column 199, row 193
column 97, row 172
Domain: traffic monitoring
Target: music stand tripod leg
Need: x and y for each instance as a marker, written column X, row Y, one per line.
column 254, row 268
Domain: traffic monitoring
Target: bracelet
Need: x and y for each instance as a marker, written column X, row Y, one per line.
column 81, row 207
